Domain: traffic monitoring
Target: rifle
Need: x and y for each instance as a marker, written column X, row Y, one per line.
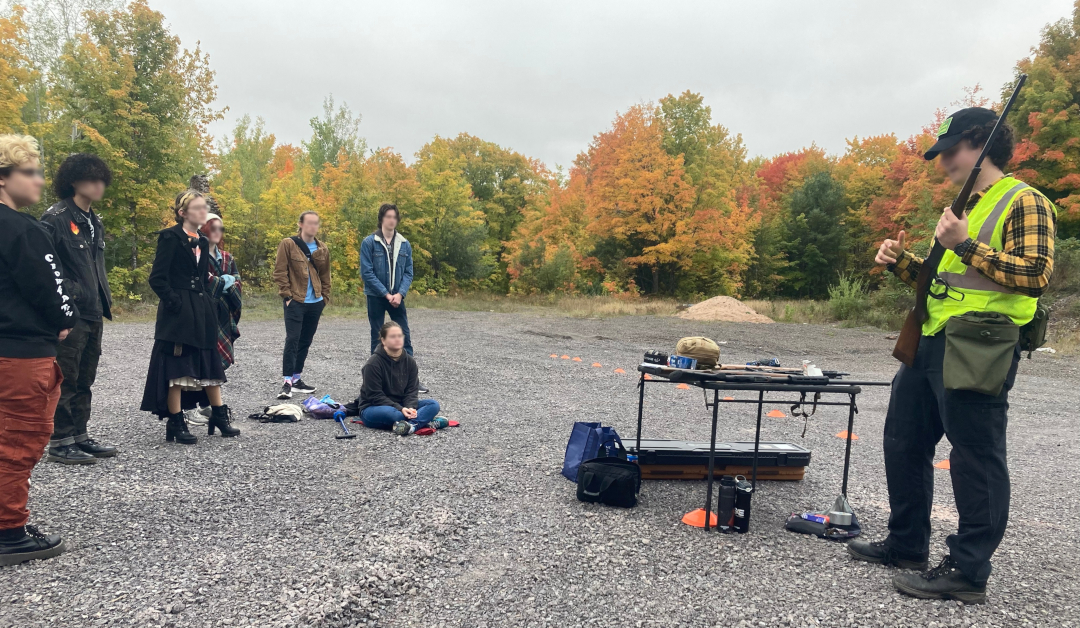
column 907, row 344
column 784, row 370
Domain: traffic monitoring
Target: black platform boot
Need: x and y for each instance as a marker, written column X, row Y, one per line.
column 176, row 429
column 221, row 418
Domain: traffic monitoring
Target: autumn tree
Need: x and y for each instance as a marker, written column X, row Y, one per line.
column 15, row 73
column 1047, row 119
column 718, row 229
column 637, row 194
column 335, row 134
column 131, row 94
column 448, row 227
column 244, row 175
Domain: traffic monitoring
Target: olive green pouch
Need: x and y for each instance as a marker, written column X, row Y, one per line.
column 979, row 349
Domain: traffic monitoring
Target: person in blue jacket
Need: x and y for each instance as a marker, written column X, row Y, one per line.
column 386, row 266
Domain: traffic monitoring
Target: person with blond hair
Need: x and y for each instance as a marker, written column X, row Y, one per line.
column 37, row 314
column 185, row 368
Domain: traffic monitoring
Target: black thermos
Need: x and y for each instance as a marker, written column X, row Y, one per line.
column 744, row 490
column 725, row 504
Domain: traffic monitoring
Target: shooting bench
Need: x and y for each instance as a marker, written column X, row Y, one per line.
column 761, row 383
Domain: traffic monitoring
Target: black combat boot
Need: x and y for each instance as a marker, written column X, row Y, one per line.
column 18, row 545
column 944, row 582
column 221, row 418
column 879, row 552
column 176, row 429
column 96, row 449
column 70, row 454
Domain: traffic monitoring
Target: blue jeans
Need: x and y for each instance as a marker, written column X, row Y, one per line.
column 377, row 309
column 384, row 417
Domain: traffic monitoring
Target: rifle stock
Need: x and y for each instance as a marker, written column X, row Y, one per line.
column 907, row 343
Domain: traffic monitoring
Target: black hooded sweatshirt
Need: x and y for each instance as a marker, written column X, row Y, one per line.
column 389, row 382
column 35, row 305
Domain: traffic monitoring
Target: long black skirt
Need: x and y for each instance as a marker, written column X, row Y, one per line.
column 198, row 364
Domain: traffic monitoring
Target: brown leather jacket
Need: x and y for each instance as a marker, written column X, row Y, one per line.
column 291, row 271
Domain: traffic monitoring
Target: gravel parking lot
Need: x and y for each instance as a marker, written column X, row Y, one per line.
column 286, row 526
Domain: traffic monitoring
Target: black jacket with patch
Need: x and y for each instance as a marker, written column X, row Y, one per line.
column 82, row 256
column 36, row 308
column 389, row 382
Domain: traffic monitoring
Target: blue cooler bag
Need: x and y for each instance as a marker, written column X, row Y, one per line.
column 586, row 439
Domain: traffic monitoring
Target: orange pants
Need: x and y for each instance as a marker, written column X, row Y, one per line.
column 31, row 390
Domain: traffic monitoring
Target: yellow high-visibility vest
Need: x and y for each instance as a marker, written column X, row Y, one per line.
column 970, row 290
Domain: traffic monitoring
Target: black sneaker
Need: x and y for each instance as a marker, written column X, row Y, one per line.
column 286, row 391
column 878, row 552
column 300, row 387
column 944, row 582
column 70, row 454
column 423, row 389
column 32, row 545
column 97, row 449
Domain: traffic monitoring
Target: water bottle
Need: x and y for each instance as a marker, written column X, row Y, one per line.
column 725, row 504
column 744, row 490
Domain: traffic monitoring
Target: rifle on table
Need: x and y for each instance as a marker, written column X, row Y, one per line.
column 907, row 344
column 783, row 370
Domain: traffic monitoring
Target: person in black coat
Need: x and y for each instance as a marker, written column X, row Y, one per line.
column 389, row 398
column 185, row 368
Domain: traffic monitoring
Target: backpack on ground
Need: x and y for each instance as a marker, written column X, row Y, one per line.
column 611, row 480
column 704, row 350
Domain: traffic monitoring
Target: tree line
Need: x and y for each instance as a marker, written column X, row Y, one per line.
column 664, row 201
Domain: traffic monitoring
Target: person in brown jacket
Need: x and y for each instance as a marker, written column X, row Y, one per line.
column 302, row 275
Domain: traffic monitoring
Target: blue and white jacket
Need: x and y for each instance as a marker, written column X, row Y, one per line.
column 379, row 262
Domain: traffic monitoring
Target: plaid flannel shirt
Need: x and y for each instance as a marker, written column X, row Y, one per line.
column 1026, row 260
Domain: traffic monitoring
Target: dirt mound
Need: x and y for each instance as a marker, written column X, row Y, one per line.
column 723, row 309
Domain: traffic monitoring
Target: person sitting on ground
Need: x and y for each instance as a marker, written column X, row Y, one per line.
column 389, row 396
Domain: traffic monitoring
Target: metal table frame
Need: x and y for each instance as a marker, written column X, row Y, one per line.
column 838, row 388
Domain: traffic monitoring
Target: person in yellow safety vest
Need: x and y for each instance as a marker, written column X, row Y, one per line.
column 998, row 258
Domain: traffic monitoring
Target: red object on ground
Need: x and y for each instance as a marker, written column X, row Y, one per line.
column 696, row 518
column 777, row 414
column 425, row 431
column 944, row 464
column 844, row 435
column 26, row 424
column 452, row 424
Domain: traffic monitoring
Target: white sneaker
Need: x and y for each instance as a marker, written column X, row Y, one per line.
column 194, row 417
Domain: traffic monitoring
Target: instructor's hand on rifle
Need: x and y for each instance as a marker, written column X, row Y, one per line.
column 951, row 231
column 890, row 250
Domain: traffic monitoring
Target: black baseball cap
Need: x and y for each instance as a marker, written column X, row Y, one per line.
column 950, row 131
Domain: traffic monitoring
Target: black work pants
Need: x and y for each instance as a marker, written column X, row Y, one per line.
column 301, row 323
column 920, row 411
column 78, row 357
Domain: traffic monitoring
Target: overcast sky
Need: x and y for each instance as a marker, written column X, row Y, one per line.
column 543, row 77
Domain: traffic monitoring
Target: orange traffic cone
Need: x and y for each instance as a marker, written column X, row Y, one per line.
column 696, row 518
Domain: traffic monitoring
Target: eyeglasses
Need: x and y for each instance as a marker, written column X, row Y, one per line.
column 219, row 229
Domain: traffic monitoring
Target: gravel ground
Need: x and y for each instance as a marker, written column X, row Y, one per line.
column 286, row 526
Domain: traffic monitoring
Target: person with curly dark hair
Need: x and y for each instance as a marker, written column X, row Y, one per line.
column 79, row 238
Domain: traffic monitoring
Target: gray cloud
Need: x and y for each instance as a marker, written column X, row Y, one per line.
column 543, row 78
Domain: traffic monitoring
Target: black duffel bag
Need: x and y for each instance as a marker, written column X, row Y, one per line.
column 611, row 480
